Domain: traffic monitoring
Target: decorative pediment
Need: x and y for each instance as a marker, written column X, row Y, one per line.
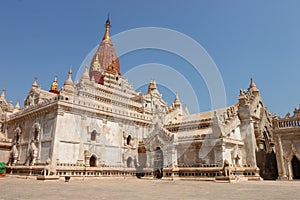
column 36, row 96
column 161, row 139
column 293, row 152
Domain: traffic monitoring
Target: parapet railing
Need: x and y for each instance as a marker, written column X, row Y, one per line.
column 286, row 123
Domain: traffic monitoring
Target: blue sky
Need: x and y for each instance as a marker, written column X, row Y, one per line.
column 244, row 38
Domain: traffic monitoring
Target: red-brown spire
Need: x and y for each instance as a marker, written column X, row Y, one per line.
column 105, row 59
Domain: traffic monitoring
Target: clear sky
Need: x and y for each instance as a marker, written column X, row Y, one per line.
column 259, row 39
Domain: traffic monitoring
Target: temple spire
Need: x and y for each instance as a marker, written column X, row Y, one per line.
column 107, row 29
column 69, row 80
column 34, row 84
column 252, row 84
column 54, row 86
column 18, row 107
column 152, row 86
column 3, row 93
column 105, row 58
column 177, row 102
column 85, row 76
column 68, row 85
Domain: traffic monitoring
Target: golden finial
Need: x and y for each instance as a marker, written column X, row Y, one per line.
column 54, row 86
column 107, row 31
column 152, row 86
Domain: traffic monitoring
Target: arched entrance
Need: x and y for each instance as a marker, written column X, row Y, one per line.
column 93, row 161
column 129, row 162
column 296, row 167
column 158, row 163
column 142, row 155
column 142, row 158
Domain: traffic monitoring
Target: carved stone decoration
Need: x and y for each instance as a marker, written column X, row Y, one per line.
column 226, row 169
column 36, row 128
column 14, row 154
column 32, row 154
column 293, row 153
column 17, row 138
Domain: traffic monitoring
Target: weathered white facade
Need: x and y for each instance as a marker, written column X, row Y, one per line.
column 101, row 123
column 287, row 138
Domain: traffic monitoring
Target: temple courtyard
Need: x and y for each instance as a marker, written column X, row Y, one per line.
column 129, row 188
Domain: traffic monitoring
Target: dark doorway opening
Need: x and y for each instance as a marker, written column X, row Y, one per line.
column 142, row 158
column 296, row 168
column 267, row 165
column 129, row 162
column 158, row 163
column 93, row 161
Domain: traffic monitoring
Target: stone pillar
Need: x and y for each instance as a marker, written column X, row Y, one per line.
column 87, row 156
column 174, row 157
column 223, row 151
column 280, row 160
column 174, row 153
column 19, row 153
column 247, row 132
column 290, row 170
column 38, row 159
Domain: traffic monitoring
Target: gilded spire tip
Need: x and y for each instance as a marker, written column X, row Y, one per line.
column 107, row 31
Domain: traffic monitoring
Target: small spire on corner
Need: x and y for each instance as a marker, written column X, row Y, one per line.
column 34, row 84
column 70, row 71
column 54, row 86
column 3, row 92
column 252, row 84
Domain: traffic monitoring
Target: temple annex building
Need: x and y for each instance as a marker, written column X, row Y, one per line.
column 100, row 126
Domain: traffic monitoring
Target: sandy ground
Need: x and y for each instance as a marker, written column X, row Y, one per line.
column 129, row 188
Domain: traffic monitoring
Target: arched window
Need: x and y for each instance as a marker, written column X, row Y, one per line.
column 129, row 140
column 18, row 135
column 93, row 136
column 36, row 130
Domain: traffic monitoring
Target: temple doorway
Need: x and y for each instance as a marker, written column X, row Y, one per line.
column 142, row 155
column 93, row 161
column 296, row 168
column 129, row 162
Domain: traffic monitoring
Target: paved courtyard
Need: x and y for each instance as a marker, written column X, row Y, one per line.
column 111, row 188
